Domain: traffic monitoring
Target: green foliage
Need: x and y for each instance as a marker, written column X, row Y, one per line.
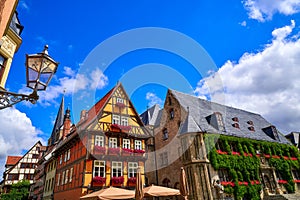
column 246, row 167
column 19, row 191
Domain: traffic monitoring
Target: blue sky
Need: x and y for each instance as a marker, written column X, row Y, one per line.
column 250, row 58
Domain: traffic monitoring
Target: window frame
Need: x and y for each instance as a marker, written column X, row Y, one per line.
column 113, row 142
column 116, row 169
column 124, row 121
column 116, row 119
column 99, row 140
column 132, row 169
column 138, row 145
column 126, row 143
column 99, row 164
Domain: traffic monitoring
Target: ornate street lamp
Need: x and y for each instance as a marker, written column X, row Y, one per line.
column 40, row 68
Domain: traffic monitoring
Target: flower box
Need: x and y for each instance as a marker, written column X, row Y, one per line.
column 227, row 183
column 125, row 128
column 132, row 180
column 293, row 158
column 120, row 127
column 277, row 157
column 99, row 180
column 114, row 150
column 255, row 182
column 99, row 149
column 139, row 151
column 285, row 157
column 117, row 180
column 221, row 152
column 120, row 105
column 267, row 155
column 127, row 150
column 235, row 153
column 248, row 154
column 282, row 181
column 296, row 181
column 243, row 183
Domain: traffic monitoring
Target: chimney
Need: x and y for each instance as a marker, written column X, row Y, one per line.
column 67, row 123
column 82, row 115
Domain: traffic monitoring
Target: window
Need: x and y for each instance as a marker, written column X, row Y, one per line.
column 165, row 134
column 58, row 179
column 67, row 176
column 69, row 154
column 2, row 66
column 164, row 158
column 63, row 178
column 116, row 169
column 12, row 177
column 171, row 113
column 35, row 156
column 124, row 121
column 132, row 169
column 126, row 143
column 138, row 144
column 28, row 177
column 99, row 168
column 38, row 149
column 71, row 175
column 120, row 100
column 116, row 119
column 66, row 154
column 99, row 140
column 60, row 159
column 113, row 142
column 296, row 174
column 223, row 175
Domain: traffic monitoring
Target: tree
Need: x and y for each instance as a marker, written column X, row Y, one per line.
column 19, row 191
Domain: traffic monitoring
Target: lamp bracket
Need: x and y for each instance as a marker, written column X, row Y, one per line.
column 8, row 99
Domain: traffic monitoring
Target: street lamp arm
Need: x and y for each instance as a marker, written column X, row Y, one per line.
column 8, row 99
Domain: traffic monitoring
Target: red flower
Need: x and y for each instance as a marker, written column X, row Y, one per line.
column 282, row 181
column 257, row 182
column 277, row 157
column 267, row 155
column 117, row 180
column 114, row 150
column 127, row 150
column 227, row 183
column 132, row 180
column 99, row 179
column 125, row 128
column 285, row 157
column 235, row 153
column 221, row 152
column 99, row 149
column 293, row 158
column 296, row 181
column 139, row 151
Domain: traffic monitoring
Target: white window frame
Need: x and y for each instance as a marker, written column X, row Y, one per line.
column 65, row 158
column 118, row 167
column 71, row 174
column 116, row 119
column 98, row 165
column 138, row 145
column 60, row 160
column 124, row 121
column 126, row 143
column 113, row 142
column 132, row 169
column 99, row 140
column 66, row 176
column 69, row 154
column 58, row 179
column 63, row 178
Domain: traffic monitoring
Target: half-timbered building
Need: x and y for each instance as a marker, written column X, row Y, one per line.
column 104, row 149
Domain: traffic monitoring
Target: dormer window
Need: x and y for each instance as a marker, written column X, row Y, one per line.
column 250, row 122
column 271, row 131
column 216, row 120
column 235, row 119
column 251, row 128
column 165, row 134
column 236, row 125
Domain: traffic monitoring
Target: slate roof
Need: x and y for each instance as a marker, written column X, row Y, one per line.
column 294, row 138
column 59, row 122
column 199, row 109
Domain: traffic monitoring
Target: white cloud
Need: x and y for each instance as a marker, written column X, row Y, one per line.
column 263, row 10
column 153, row 99
column 16, row 134
column 243, row 23
column 266, row 82
column 70, row 84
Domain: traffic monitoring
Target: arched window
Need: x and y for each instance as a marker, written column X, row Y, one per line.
column 166, row 182
column 165, row 134
column 171, row 113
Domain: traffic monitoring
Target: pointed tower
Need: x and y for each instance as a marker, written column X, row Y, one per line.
column 59, row 122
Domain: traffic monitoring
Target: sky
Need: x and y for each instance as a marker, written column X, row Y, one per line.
column 243, row 54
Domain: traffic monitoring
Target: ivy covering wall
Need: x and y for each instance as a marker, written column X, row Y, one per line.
column 240, row 157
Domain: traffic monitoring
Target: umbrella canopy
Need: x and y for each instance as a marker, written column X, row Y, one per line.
column 184, row 191
column 139, row 194
column 159, row 191
column 110, row 194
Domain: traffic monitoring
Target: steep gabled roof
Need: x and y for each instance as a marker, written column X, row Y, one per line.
column 59, row 122
column 200, row 109
column 151, row 115
column 12, row 160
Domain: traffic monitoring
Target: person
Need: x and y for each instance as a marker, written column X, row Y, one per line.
column 219, row 189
